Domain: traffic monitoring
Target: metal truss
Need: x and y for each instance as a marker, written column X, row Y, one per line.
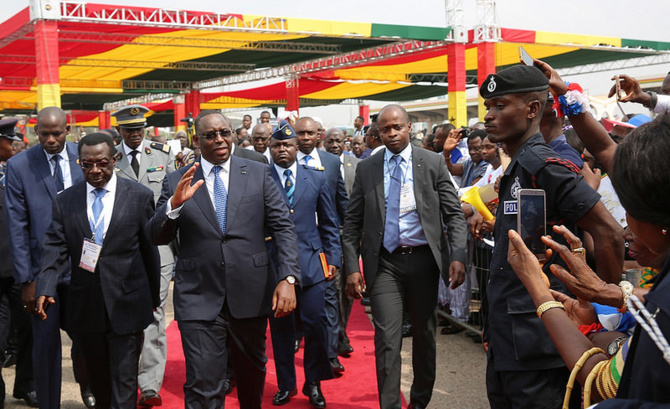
column 80, row 12
column 197, row 42
column 158, row 65
column 18, row 34
column 487, row 29
column 333, row 62
column 661, row 58
column 140, row 99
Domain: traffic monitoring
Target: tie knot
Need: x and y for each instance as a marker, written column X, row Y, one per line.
column 307, row 158
column 56, row 158
column 99, row 192
column 288, row 173
column 397, row 159
column 216, row 169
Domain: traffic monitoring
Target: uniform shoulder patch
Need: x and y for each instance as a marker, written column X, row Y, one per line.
column 160, row 146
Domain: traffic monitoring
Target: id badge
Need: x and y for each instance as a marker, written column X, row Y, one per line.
column 407, row 199
column 90, row 252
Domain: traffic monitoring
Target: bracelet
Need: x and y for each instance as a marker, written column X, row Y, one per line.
column 574, row 101
column 546, row 306
column 573, row 374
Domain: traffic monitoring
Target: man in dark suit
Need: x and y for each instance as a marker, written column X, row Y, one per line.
column 224, row 287
column 100, row 227
column 334, row 143
column 305, row 194
column 307, row 130
column 397, row 195
column 33, row 179
column 147, row 163
column 19, row 319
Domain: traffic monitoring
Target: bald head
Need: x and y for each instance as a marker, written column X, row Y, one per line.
column 394, row 107
column 260, row 137
column 51, row 114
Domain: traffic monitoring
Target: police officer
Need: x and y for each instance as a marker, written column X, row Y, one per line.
column 147, row 163
column 524, row 369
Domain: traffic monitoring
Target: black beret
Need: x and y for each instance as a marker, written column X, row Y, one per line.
column 514, row 80
column 284, row 131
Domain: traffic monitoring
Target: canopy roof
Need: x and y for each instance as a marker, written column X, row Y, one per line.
column 110, row 53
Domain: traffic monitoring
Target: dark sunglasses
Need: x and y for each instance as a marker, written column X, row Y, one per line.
column 210, row 136
column 90, row 165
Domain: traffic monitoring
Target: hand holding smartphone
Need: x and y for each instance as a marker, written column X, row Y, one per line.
column 532, row 220
column 524, row 57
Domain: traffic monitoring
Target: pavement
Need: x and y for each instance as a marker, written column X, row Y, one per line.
column 460, row 383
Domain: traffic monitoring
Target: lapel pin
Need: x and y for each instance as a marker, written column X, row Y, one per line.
column 147, row 150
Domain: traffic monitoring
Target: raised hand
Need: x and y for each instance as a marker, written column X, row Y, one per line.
column 185, row 190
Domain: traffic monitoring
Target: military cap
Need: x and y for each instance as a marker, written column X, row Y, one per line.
column 131, row 116
column 514, row 80
column 284, row 131
column 7, row 129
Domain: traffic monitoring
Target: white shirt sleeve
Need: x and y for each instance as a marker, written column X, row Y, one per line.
column 662, row 104
column 173, row 213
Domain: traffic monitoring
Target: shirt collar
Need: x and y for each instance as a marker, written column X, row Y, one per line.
column 110, row 187
column 377, row 149
column 62, row 154
column 406, row 154
column 127, row 150
column 293, row 168
column 313, row 154
column 207, row 166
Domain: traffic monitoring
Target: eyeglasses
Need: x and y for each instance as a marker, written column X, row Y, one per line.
column 211, row 136
column 90, row 165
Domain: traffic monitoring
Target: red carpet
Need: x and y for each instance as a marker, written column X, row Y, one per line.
column 356, row 388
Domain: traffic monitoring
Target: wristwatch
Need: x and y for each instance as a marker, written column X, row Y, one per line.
column 615, row 345
column 291, row 280
column 626, row 291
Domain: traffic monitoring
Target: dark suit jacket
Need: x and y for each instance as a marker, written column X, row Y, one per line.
column 437, row 205
column 214, row 267
column 350, row 164
column 312, row 196
column 6, row 268
column 126, row 282
column 249, row 154
column 30, row 192
column 338, row 192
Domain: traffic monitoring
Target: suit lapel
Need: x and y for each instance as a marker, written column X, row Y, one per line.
column 277, row 179
column 237, row 185
column 118, row 210
column 419, row 177
column 301, row 183
column 79, row 209
column 75, row 170
column 202, row 199
column 378, row 182
column 44, row 171
column 123, row 165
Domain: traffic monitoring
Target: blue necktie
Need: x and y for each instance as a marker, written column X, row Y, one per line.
column 220, row 199
column 99, row 229
column 289, row 186
column 58, row 173
column 392, row 229
column 307, row 158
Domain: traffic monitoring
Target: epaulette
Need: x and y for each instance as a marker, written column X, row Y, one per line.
column 160, row 146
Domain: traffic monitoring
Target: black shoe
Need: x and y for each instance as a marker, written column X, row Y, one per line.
column 344, row 348
column 406, row 330
column 150, row 398
column 283, row 397
column 29, row 397
column 338, row 369
column 365, row 302
column 87, row 396
column 313, row 391
column 10, row 360
column 228, row 385
column 451, row 329
column 414, row 406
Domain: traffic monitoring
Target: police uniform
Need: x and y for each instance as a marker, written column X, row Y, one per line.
column 156, row 160
column 524, row 367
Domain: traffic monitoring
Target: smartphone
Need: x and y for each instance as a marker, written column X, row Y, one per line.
column 524, row 57
column 532, row 220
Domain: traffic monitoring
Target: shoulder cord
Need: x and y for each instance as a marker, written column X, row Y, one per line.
column 648, row 322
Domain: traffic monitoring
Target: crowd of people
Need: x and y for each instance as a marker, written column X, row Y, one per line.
column 285, row 223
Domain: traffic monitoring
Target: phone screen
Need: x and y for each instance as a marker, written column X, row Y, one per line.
column 531, row 220
column 524, row 57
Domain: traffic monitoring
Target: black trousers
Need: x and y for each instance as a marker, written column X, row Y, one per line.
column 19, row 321
column 411, row 280
column 206, row 355
column 112, row 361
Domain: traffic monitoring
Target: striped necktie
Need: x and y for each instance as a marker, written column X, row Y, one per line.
column 392, row 229
column 289, row 186
column 220, row 199
column 98, row 222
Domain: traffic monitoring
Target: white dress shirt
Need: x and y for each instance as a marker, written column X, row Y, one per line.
column 64, row 166
column 107, row 203
column 127, row 151
column 280, row 171
column 224, row 176
column 314, row 161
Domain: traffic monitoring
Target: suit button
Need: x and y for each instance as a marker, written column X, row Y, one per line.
column 381, row 233
column 225, row 241
column 291, row 211
column 223, row 264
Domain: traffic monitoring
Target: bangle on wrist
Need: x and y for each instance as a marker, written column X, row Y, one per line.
column 546, row 306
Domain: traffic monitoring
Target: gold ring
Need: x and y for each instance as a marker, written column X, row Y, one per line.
column 580, row 252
